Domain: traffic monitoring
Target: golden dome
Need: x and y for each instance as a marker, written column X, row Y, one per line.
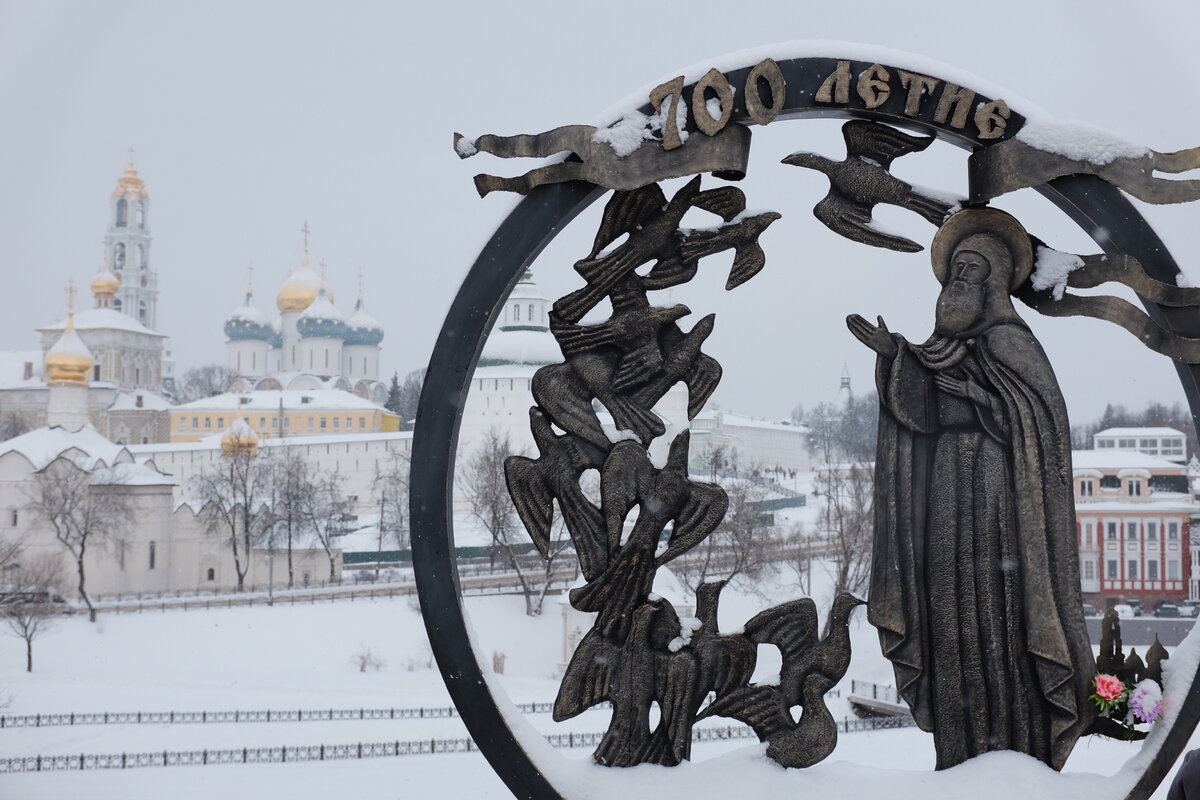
column 240, row 439
column 300, row 289
column 68, row 361
column 105, row 283
column 130, row 184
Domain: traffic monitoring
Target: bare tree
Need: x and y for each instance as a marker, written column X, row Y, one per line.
column 30, row 603
column 822, row 422
column 740, row 546
column 716, row 459
column 12, row 426
column 482, row 480
column 86, row 509
column 390, row 485
column 326, row 513
column 206, row 381
column 235, row 494
column 846, row 519
column 407, row 397
column 858, row 428
column 799, row 548
column 292, row 485
column 10, row 554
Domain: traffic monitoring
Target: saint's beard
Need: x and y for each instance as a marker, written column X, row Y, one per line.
column 959, row 307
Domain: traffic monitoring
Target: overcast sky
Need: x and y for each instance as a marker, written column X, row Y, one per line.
column 250, row 118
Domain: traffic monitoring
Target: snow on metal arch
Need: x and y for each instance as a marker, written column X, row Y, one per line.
column 1099, row 208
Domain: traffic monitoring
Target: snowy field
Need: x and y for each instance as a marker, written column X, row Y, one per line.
column 302, row 658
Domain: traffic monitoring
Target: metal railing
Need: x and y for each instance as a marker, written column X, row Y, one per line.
column 337, row 752
column 876, row 691
column 223, row 717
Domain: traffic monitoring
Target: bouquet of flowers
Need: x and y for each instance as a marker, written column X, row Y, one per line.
column 1128, row 707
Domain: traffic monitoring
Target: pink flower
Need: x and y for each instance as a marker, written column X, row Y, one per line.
column 1109, row 687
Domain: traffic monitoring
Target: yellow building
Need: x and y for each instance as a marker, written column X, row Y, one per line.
column 272, row 413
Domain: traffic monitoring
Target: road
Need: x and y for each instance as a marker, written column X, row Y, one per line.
column 1140, row 631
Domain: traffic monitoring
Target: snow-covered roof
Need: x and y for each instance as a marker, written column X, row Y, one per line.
column 520, row 347
column 249, row 312
column 104, row 318
column 213, row 442
column 12, row 369
column 127, row 401
column 525, row 371
column 362, row 328
column 1135, row 432
column 293, row 400
column 737, row 420
column 1122, row 459
column 87, row 448
column 322, row 308
column 526, row 290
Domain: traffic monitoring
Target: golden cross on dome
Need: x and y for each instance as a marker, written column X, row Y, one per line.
column 304, row 230
column 71, row 296
column 131, row 151
column 250, row 278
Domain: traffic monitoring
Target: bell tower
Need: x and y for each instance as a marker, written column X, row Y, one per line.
column 127, row 244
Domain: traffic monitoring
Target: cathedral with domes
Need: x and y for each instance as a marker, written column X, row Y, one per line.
column 311, row 345
column 107, row 365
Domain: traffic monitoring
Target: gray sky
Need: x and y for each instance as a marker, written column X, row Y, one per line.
column 249, row 118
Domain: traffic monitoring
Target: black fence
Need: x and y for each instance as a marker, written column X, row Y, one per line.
column 875, row 691
column 254, row 715
column 339, row 752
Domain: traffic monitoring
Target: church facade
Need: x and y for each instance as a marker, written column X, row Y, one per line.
column 129, row 374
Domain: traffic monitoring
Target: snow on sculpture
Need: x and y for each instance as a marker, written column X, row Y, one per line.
column 975, row 589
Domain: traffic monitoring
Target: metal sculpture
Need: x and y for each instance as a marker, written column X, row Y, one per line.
column 987, row 390
column 1016, row 164
column 638, row 652
column 863, row 181
column 975, row 579
column 601, row 159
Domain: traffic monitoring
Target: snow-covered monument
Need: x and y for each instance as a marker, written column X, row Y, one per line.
column 974, row 588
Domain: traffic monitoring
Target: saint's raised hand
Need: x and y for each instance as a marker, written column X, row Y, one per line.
column 878, row 338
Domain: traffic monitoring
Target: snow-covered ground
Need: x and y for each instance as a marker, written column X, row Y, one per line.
column 302, row 658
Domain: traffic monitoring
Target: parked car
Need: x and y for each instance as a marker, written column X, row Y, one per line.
column 1136, row 604
column 1189, row 608
column 1089, row 610
column 1167, row 610
column 30, row 594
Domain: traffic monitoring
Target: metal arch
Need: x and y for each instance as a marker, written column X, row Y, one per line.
column 1096, row 206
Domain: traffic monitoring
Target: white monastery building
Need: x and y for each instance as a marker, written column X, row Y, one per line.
column 122, row 392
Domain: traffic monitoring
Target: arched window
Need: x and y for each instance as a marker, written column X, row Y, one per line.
column 140, row 214
column 140, row 257
column 117, row 304
column 142, row 311
column 119, row 255
column 516, row 312
column 122, row 212
column 211, row 574
column 530, row 312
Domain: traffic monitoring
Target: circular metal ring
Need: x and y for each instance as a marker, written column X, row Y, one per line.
column 1100, row 209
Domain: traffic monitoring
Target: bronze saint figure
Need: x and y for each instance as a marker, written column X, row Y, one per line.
column 975, row 579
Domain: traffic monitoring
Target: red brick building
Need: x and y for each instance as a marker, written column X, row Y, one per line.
column 1134, row 513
